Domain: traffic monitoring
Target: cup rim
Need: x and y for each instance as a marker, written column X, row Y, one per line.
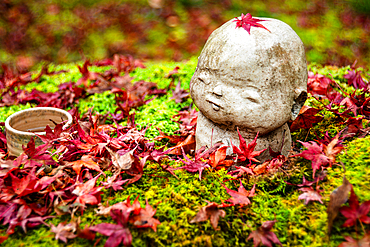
column 11, row 129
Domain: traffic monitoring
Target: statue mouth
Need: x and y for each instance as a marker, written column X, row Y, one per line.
column 215, row 106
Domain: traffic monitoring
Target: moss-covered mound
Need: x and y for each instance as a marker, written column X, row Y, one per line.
column 177, row 194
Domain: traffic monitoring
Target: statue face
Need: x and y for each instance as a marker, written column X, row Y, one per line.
column 250, row 103
column 256, row 81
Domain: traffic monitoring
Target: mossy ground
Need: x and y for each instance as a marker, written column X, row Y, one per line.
column 178, row 200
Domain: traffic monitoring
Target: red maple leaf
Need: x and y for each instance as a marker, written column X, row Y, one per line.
column 34, row 221
column 86, row 161
column 179, row 94
column 245, row 152
column 186, row 145
column 35, row 156
column 247, row 21
column 126, row 63
column 187, row 121
column 241, row 196
column 144, row 218
column 115, row 182
column 186, row 117
column 121, row 214
column 365, row 108
column 306, row 118
column 333, row 148
column 354, row 125
column 316, row 154
column 3, row 140
column 67, row 94
column 27, row 184
column 355, row 79
column 87, row 75
column 364, row 242
column 268, row 165
column 13, row 78
column 3, row 238
column 318, row 84
column 241, row 170
column 64, row 231
column 264, row 235
column 196, row 165
column 173, row 72
column 306, row 182
column 218, row 159
column 212, row 211
column 334, row 96
column 124, row 205
column 310, row 195
column 350, row 104
column 52, row 134
column 118, row 233
column 87, row 193
column 355, row 211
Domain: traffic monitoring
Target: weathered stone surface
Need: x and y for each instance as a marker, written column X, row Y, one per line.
column 256, row 82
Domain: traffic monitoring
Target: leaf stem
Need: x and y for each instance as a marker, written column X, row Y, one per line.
column 362, row 226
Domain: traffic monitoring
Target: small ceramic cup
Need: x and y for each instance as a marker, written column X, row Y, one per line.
column 21, row 126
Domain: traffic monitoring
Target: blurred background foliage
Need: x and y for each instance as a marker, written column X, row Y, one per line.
column 334, row 32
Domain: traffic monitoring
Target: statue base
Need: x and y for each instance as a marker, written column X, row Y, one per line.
column 208, row 133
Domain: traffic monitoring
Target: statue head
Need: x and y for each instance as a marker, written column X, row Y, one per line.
column 255, row 81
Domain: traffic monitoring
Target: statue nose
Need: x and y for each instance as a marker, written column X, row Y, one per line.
column 218, row 90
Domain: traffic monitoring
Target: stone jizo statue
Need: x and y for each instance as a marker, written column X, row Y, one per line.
column 253, row 80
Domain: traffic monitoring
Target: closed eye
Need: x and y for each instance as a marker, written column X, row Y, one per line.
column 204, row 77
column 203, row 80
column 252, row 95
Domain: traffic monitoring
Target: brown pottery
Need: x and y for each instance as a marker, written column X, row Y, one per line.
column 21, row 126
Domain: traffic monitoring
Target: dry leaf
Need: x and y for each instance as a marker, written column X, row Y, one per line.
column 123, row 162
column 212, row 212
column 188, row 144
column 85, row 161
column 337, row 197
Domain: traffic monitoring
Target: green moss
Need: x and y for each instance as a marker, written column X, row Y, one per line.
column 5, row 112
column 103, row 103
column 356, row 159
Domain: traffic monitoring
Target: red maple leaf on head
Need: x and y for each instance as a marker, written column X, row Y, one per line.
column 247, row 21
column 245, row 151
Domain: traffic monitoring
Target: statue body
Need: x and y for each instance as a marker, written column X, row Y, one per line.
column 253, row 82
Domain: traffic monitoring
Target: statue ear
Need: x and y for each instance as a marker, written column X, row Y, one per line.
column 298, row 102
